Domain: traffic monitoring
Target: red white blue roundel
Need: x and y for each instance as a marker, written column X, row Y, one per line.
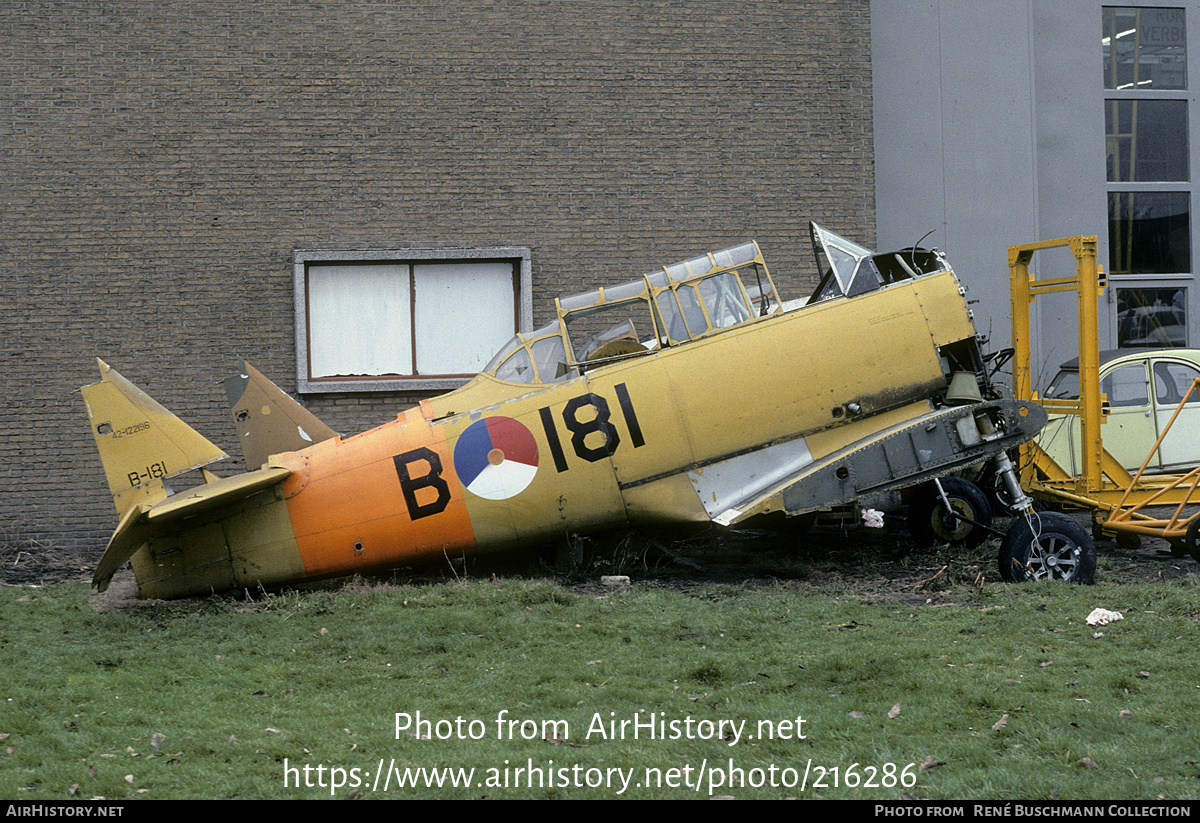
column 496, row 458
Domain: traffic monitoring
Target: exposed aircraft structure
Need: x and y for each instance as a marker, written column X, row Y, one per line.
column 687, row 395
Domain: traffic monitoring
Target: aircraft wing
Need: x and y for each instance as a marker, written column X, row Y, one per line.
column 785, row 477
column 144, row 522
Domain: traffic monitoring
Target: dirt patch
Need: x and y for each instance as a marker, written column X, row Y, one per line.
column 33, row 563
column 120, row 594
column 876, row 564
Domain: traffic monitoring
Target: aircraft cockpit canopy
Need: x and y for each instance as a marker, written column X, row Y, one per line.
column 668, row 307
column 848, row 269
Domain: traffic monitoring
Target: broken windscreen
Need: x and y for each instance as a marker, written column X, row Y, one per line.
column 845, row 267
column 848, row 269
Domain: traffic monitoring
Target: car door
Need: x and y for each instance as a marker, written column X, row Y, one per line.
column 1172, row 380
column 1131, row 428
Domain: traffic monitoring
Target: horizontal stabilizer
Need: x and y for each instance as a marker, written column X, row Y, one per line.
column 143, row 522
column 140, row 442
column 268, row 421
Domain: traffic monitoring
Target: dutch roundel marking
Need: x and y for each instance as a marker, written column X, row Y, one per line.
column 496, row 458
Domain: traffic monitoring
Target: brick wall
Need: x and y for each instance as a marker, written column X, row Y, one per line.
column 159, row 163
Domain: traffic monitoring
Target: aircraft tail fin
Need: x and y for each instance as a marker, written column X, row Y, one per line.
column 141, row 443
column 268, row 421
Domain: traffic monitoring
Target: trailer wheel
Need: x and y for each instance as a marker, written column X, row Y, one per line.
column 930, row 522
column 1124, row 540
column 1192, row 539
column 1060, row 549
column 1128, row 540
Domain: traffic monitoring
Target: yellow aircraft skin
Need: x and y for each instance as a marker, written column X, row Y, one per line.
column 705, row 400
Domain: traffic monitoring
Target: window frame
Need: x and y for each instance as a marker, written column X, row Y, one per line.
column 1119, row 279
column 302, row 259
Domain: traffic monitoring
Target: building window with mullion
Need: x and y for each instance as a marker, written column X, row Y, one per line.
column 387, row 323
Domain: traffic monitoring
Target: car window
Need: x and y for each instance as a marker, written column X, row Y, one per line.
column 1127, row 386
column 1171, row 381
column 1065, row 386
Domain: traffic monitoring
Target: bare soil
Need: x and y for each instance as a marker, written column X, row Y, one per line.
column 878, row 564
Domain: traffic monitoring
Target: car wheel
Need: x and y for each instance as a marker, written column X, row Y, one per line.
column 1054, row 547
column 931, row 522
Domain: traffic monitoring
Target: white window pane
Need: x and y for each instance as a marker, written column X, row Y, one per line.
column 1127, row 386
column 359, row 320
column 465, row 312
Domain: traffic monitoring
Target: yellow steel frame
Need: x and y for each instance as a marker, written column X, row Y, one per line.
column 1129, row 517
column 1116, row 497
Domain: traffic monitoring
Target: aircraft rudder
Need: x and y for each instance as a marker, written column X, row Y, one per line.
column 140, row 442
column 267, row 419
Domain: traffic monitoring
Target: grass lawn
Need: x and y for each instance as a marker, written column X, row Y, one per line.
column 524, row 687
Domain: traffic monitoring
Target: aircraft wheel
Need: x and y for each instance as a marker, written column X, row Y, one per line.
column 930, row 521
column 1060, row 549
column 1001, row 501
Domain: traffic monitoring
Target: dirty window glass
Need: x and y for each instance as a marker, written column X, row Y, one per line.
column 1151, row 318
column 693, row 315
column 1064, row 387
column 1126, row 386
column 550, row 358
column 388, row 318
column 1149, row 232
column 611, row 331
column 673, row 323
column 758, row 289
column 358, row 320
column 517, row 369
column 1172, row 381
column 724, row 300
column 1144, row 48
column 1147, row 140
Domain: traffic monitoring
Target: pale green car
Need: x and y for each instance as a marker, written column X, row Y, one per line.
column 1144, row 388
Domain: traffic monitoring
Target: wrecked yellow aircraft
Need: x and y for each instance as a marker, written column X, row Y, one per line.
column 689, row 394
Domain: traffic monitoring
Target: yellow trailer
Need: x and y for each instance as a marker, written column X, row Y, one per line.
column 1122, row 504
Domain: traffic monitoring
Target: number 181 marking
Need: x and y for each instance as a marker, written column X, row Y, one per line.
column 599, row 422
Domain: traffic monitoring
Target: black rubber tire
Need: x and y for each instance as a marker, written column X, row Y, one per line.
column 1066, row 551
column 928, row 520
column 1129, row 540
column 1191, row 539
column 1124, row 540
